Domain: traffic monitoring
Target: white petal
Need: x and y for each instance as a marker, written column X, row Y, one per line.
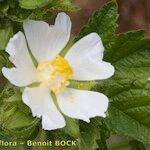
column 63, row 22
column 85, row 57
column 90, row 44
column 91, row 69
column 24, row 72
column 81, row 104
column 41, row 104
column 47, row 41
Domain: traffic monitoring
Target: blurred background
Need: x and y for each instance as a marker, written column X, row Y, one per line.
column 134, row 14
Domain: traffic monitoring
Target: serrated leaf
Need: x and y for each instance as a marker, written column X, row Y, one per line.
column 129, row 39
column 28, row 4
column 125, row 124
column 103, row 22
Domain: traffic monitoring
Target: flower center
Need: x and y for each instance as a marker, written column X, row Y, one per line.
column 55, row 73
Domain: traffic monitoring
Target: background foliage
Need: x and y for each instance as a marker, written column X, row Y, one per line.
column 128, row 116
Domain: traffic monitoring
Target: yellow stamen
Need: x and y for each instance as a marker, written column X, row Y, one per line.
column 56, row 73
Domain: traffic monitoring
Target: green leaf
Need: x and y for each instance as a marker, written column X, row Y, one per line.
column 119, row 142
column 71, row 128
column 3, row 62
column 147, row 146
column 130, row 40
column 16, row 119
column 3, row 59
column 6, row 31
column 63, row 5
column 38, row 10
column 4, row 6
column 41, row 14
column 137, row 145
column 89, row 136
column 18, row 14
column 28, row 4
column 104, row 135
column 125, row 124
column 103, row 22
column 93, row 135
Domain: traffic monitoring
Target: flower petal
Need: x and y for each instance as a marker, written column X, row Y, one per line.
column 24, row 72
column 41, row 104
column 91, row 43
column 47, row 41
column 63, row 22
column 85, row 57
column 81, row 104
column 91, row 69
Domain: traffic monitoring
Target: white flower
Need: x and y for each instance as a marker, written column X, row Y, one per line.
column 82, row 62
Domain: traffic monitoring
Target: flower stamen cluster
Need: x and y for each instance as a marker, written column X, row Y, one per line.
column 55, row 73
